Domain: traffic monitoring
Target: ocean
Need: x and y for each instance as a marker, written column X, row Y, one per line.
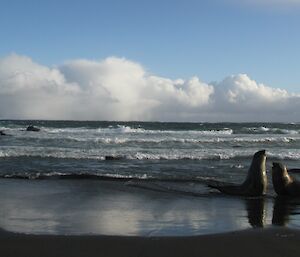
column 138, row 178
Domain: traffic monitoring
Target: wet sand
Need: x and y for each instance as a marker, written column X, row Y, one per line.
column 271, row 242
column 47, row 216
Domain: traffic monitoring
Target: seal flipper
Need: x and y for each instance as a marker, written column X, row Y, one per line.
column 218, row 184
column 227, row 188
column 255, row 183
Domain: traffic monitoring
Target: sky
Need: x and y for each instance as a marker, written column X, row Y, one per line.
column 168, row 60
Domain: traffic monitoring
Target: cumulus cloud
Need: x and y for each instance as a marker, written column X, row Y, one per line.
column 120, row 89
column 30, row 90
column 240, row 98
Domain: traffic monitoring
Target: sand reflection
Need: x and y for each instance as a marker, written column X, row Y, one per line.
column 85, row 207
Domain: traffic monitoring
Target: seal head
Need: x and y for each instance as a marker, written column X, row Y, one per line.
column 283, row 183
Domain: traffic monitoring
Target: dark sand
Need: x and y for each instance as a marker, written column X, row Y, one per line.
column 271, row 242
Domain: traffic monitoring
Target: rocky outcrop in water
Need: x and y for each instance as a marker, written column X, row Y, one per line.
column 32, row 128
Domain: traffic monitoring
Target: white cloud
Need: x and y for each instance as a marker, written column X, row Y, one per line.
column 30, row 90
column 241, row 90
column 119, row 89
column 111, row 89
column 238, row 98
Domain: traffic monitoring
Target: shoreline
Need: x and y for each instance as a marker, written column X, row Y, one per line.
column 274, row 241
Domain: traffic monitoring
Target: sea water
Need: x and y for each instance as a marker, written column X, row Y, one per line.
column 138, row 178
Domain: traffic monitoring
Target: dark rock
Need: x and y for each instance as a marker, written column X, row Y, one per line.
column 32, row 128
column 112, row 158
column 2, row 133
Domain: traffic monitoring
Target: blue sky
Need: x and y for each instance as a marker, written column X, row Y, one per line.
column 175, row 39
column 167, row 60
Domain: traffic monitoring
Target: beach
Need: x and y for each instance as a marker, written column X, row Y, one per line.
column 275, row 242
column 141, row 189
column 150, row 128
column 110, row 219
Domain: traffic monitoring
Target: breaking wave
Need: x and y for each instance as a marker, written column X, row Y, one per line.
column 266, row 130
column 94, row 154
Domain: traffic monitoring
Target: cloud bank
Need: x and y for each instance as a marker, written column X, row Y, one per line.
column 120, row 89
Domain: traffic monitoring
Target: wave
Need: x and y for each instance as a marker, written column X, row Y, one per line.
column 56, row 153
column 141, row 156
column 129, row 130
column 285, row 155
column 93, row 141
column 266, row 130
column 126, row 129
column 136, row 156
column 196, row 186
column 94, row 155
column 121, row 129
column 104, row 177
column 151, row 127
column 117, row 140
column 59, row 175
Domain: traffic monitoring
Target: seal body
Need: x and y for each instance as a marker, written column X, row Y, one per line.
column 283, row 183
column 255, row 183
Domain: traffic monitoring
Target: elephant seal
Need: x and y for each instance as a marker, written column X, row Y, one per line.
column 255, row 183
column 283, row 183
